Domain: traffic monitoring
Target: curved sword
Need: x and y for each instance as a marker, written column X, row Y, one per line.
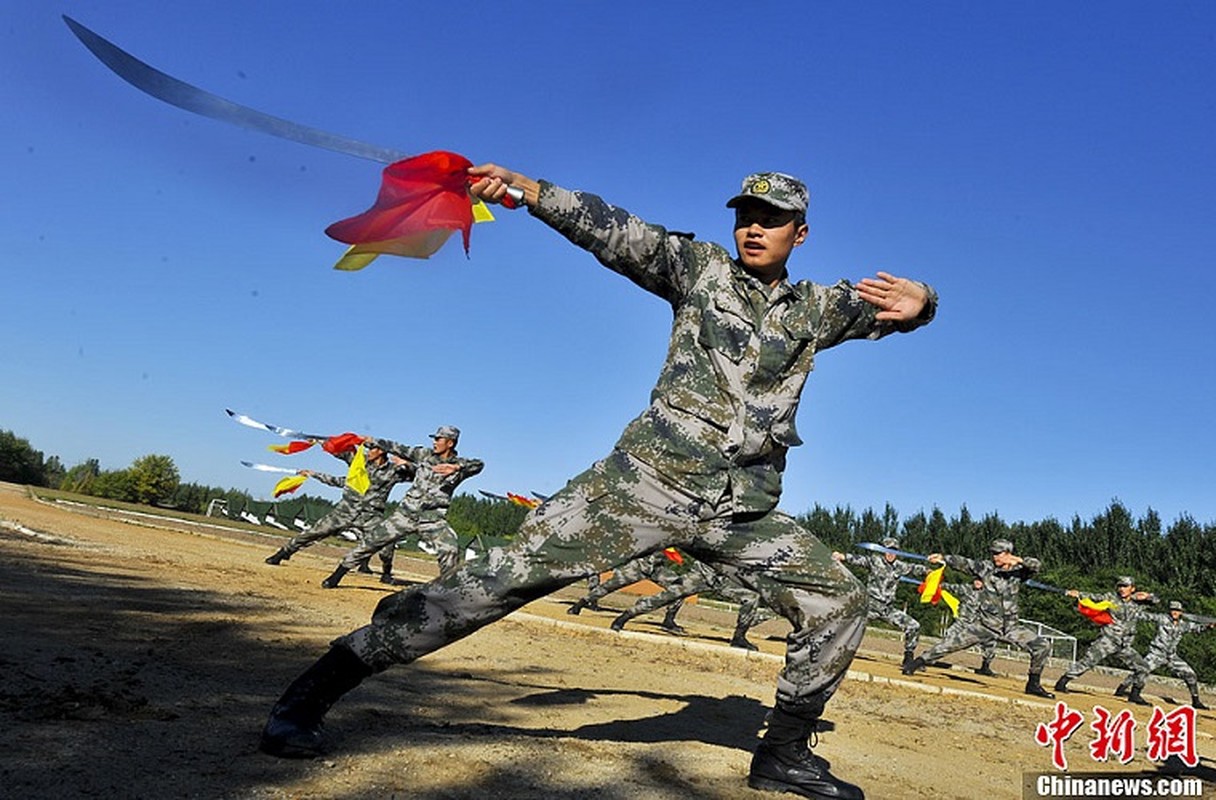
column 178, row 93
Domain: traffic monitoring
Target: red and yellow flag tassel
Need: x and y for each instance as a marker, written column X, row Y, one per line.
column 289, row 484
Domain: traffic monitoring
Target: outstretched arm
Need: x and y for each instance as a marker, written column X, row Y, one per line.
column 897, row 299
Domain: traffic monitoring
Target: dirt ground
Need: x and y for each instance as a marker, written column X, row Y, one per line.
column 140, row 657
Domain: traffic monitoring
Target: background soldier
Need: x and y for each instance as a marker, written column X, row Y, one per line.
column 424, row 509
column 657, row 567
column 885, row 571
column 1163, row 650
column 699, row 579
column 699, row 469
column 968, row 595
column 1116, row 638
column 357, row 513
column 1002, row 578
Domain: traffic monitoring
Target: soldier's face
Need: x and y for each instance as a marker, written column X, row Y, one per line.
column 1125, row 591
column 1002, row 559
column 442, row 446
column 890, row 557
column 764, row 238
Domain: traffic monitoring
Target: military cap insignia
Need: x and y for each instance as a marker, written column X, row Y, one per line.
column 760, row 187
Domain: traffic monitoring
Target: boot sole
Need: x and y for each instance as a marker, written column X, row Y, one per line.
column 772, row 785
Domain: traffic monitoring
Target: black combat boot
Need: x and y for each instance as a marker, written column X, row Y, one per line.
column 669, row 621
column 333, row 580
column 909, row 657
column 618, row 624
column 1196, row 702
column 387, row 577
column 783, row 762
column 986, row 669
column 740, row 639
column 278, row 557
column 1062, row 684
column 295, row 728
column 1034, row 687
column 1121, row 689
column 365, row 567
column 913, row 666
column 1134, row 697
column 578, row 606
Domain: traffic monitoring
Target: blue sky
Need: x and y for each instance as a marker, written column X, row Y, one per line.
column 1048, row 167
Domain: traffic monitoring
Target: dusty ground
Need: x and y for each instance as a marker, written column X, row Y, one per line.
column 140, row 657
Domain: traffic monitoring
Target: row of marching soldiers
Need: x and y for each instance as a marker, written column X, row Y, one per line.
column 988, row 613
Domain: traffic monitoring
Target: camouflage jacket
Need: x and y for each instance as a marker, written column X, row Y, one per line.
column 884, row 576
column 721, row 416
column 431, row 493
column 1169, row 634
column 968, row 601
column 998, row 600
column 381, row 480
column 1125, row 615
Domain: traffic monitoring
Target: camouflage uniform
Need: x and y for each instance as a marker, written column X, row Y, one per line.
column 1115, row 640
column 656, row 567
column 969, row 614
column 880, row 592
column 699, row 469
column 1163, row 650
column 354, row 512
column 424, row 508
column 699, row 579
column 997, row 615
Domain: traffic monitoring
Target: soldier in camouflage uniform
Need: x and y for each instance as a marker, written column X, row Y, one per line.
column 656, row 567
column 424, row 509
column 1002, row 576
column 885, row 571
column 1163, row 650
column 356, row 513
column 699, row 469
column 1117, row 637
column 968, row 595
column 699, row 579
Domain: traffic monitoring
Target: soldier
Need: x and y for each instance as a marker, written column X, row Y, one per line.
column 357, row 513
column 1163, row 650
column 423, row 510
column 656, row 567
column 885, row 571
column 1002, row 578
column 1116, row 637
column 968, row 595
column 699, row 579
column 699, row 469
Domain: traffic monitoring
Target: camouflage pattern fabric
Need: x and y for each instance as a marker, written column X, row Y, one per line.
column 423, row 509
column 654, row 567
column 995, row 616
column 969, row 613
column 1116, row 640
column 1163, row 650
column 700, row 469
column 701, row 579
column 354, row 512
column 880, row 591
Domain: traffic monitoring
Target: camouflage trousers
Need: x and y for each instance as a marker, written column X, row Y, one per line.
column 617, row 511
column 1105, row 647
column 962, row 635
column 399, row 525
column 342, row 518
column 701, row 579
column 900, row 619
column 1156, row 659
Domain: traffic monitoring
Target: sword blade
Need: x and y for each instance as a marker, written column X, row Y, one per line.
column 877, row 548
column 178, row 93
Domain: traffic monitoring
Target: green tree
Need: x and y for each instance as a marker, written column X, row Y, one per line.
column 152, row 478
column 80, row 478
column 19, row 461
